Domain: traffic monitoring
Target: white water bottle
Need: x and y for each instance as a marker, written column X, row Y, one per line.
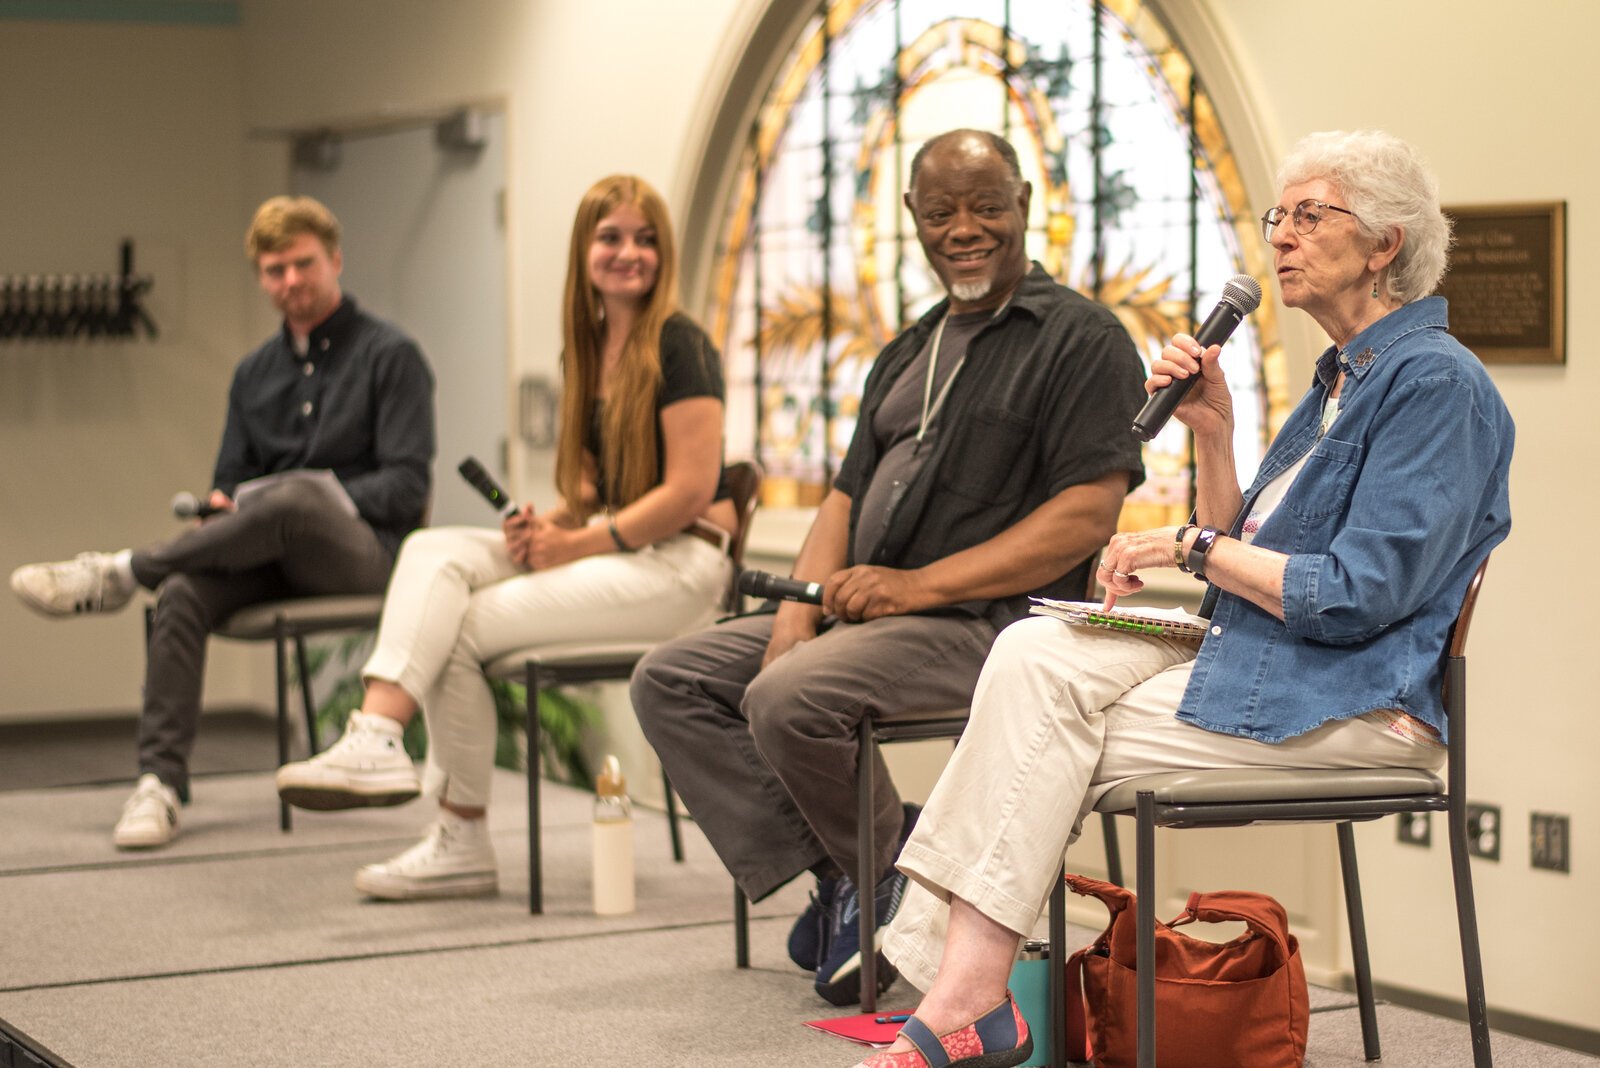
column 613, row 842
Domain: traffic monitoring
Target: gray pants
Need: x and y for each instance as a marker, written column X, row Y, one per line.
column 767, row 763
column 290, row 540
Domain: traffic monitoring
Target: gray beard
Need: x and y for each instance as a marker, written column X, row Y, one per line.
column 967, row 292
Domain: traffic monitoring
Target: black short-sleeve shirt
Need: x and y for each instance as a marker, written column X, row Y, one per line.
column 1044, row 401
column 690, row 367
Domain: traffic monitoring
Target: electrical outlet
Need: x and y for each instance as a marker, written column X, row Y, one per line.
column 1415, row 828
column 1550, row 838
column 1483, row 831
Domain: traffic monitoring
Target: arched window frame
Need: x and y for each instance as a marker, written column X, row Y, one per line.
column 782, row 41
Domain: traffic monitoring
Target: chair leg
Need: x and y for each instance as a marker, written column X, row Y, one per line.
column 1467, row 920
column 866, row 874
column 281, row 655
column 1145, row 857
column 307, row 700
column 1058, row 970
column 1359, row 957
column 535, row 835
column 741, row 928
column 1108, row 830
column 672, row 818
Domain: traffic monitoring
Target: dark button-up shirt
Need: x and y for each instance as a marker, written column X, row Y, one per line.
column 1044, row 401
column 358, row 403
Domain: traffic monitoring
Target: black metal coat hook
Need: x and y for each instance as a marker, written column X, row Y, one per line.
column 55, row 307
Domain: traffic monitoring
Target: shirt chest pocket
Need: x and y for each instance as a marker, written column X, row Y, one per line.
column 992, row 458
column 1323, row 487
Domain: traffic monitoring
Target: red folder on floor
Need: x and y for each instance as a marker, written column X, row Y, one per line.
column 862, row 1028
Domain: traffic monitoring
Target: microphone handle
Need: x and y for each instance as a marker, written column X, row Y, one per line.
column 479, row 479
column 769, row 586
column 1218, row 327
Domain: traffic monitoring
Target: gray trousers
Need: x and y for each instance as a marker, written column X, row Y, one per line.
column 290, row 540
column 766, row 763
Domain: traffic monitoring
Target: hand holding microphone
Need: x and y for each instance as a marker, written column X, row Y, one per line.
column 1240, row 296
column 186, row 505
column 854, row 595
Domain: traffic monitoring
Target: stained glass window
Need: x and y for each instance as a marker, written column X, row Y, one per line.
column 1137, row 201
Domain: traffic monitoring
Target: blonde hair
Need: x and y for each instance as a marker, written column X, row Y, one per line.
column 628, row 461
column 282, row 219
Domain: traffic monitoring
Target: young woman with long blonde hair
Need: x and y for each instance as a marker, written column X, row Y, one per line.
column 634, row 549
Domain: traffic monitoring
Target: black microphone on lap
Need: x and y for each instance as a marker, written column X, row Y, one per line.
column 186, row 505
column 1240, row 296
column 773, row 587
column 484, row 483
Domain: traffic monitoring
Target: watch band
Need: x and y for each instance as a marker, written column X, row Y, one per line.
column 1177, row 548
column 1196, row 558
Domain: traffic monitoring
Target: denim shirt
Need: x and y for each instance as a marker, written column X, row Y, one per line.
column 1393, row 512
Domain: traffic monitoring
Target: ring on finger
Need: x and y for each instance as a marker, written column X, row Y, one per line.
column 1122, row 574
column 1104, row 566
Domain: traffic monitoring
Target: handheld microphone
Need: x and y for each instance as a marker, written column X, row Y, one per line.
column 186, row 505
column 484, row 483
column 1240, row 296
column 771, row 587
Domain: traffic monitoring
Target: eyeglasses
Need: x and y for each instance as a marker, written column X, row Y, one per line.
column 1306, row 214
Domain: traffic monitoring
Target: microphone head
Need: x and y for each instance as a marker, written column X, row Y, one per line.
column 185, row 505
column 1243, row 292
column 750, row 583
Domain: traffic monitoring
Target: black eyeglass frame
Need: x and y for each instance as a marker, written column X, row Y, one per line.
column 1273, row 217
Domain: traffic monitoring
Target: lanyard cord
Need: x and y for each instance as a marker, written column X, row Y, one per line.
column 931, row 406
column 930, row 403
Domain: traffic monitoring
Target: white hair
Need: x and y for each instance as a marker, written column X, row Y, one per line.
column 1389, row 187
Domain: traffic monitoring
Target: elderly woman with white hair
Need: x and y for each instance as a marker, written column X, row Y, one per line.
column 1334, row 579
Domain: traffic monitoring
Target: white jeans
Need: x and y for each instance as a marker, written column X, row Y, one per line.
column 457, row 601
column 1061, row 714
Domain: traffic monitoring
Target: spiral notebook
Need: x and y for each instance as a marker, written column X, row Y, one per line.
column 1174, row 623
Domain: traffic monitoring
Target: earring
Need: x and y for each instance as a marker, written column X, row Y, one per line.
column 1374, row 287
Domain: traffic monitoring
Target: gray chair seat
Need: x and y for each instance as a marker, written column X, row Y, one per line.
column 1269, row 784
column 304, row 615
column 513, row 665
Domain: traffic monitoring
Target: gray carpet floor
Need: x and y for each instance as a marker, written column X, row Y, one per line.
column 239, row 945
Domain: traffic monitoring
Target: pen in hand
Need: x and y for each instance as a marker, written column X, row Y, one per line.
column 900, row 1018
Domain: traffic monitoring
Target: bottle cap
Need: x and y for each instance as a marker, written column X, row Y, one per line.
column 609, row 783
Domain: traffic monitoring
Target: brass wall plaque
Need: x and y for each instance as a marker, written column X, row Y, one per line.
column 1507, row 283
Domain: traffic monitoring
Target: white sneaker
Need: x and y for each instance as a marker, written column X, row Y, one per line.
column 90, row 582
column 453, row 860
column 149, row 817
column 368, row 766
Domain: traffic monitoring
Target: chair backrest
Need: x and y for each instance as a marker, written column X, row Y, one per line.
column 744, row 485
column 1455, row 692
column 1458, row 630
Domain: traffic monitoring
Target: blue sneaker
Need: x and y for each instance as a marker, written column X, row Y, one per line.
column 809, row 937
column 839, row 975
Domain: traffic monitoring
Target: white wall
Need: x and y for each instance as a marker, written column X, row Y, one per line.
column 114, row 131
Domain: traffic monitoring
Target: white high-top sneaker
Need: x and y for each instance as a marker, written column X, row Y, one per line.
column 149, row 817
column 366, row 767
column 454, row 859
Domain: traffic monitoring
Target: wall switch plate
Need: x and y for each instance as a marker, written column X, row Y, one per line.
column 1415, row 828
column 1483, row 831
column 1550, row 842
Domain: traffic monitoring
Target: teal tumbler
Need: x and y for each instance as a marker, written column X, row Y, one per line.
column 1030, row 985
